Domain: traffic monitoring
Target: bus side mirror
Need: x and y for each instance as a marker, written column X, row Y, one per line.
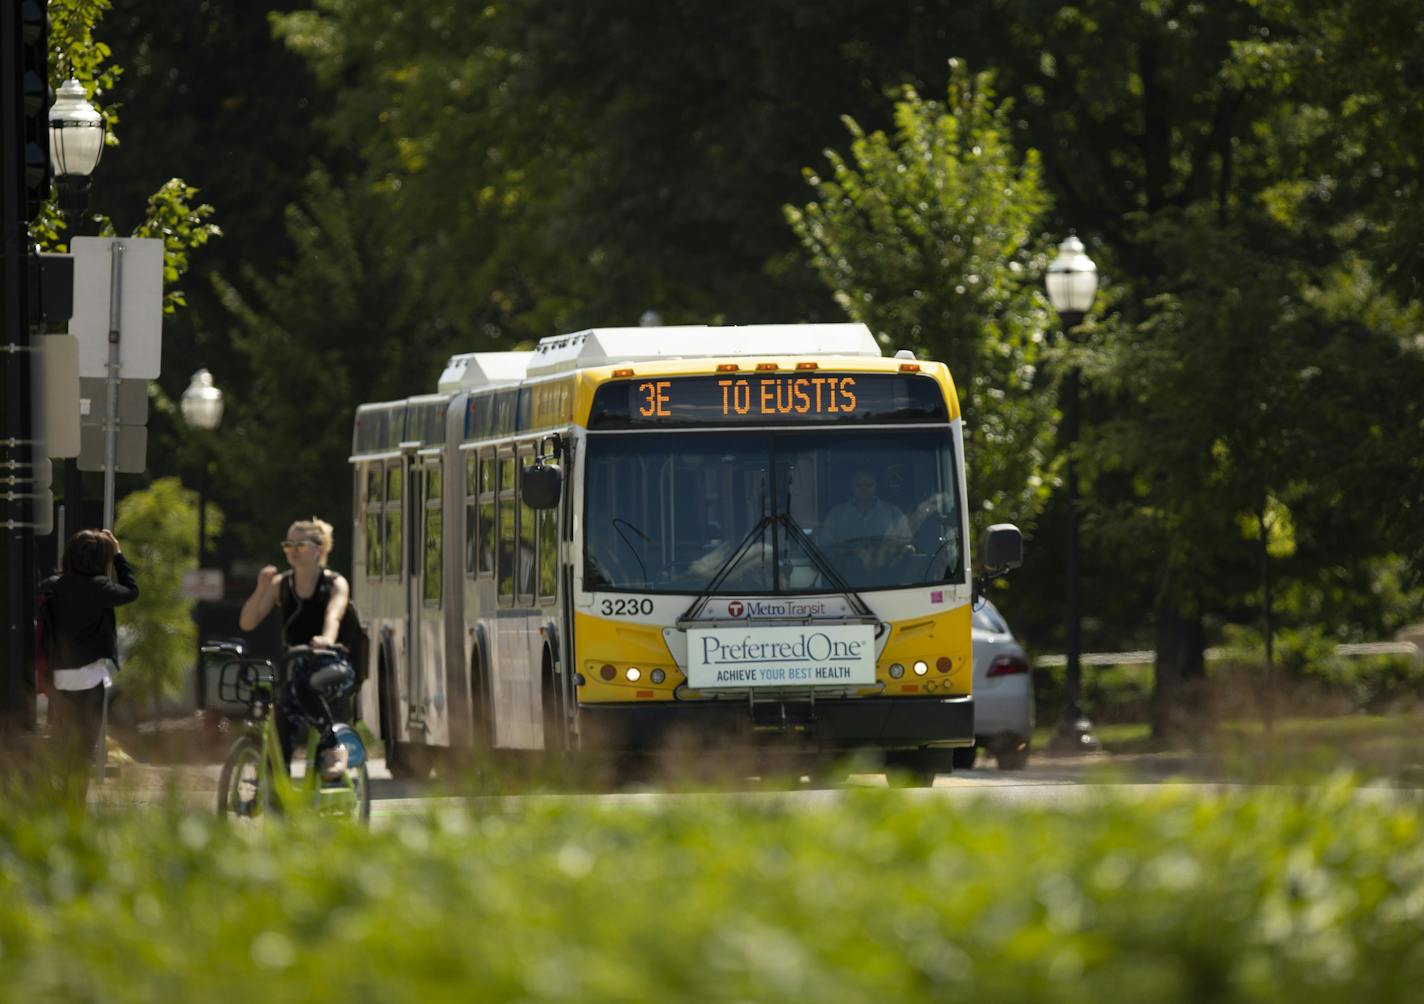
column 540, row 485
column 1003, row 550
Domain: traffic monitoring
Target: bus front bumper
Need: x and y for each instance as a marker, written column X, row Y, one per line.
column 873, row 723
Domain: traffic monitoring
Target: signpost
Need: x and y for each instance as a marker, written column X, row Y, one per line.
column 118, row 320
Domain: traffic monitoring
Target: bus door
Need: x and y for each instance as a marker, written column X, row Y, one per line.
column 434, row 683
column 413, row 687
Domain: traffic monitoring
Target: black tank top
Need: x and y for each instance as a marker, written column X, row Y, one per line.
column 303, row 619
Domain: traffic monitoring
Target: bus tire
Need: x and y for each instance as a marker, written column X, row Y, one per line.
column 403, row 761
column 555, row 732
column 481, row 721
column 916, row 768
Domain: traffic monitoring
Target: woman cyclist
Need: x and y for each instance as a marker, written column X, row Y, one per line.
column 311, row 600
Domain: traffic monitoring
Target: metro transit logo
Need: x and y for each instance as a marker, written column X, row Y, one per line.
column 777, row 608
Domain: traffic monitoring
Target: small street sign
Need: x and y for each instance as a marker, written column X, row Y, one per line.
column 204, row 584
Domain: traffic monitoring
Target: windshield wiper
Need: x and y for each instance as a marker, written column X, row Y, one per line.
column 618, row 524
column 823, row 564
column 725, row 569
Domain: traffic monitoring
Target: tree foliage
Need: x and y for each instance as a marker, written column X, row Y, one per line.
column 1246, row 175
column 158, row 529
column 931, row 237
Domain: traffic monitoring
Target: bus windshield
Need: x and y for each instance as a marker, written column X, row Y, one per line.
column 670, row 513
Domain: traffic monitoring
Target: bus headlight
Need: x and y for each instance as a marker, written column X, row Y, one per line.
column 657, row 676
column 633, row 674
column 896, row 671
column 921, row 667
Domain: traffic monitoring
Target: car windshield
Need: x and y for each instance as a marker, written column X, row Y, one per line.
column 783, row 512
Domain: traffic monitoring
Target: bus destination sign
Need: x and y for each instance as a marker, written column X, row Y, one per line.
column 808, row 397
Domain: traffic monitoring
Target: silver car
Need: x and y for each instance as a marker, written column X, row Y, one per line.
column 1003, row 693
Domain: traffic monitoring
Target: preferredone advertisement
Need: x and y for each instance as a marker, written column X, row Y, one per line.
column 798, row 656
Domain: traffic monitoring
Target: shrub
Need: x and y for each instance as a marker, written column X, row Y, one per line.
column 1269, row 894
column 1110, row 694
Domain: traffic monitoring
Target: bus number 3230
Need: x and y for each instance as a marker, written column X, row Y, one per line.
column 627, row 607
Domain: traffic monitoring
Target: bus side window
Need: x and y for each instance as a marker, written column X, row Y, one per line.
column 487, row 520
column 472, row 492
column 375, row 490
column 548, row 554
column 506, row 515
column 527, row 556
column 393, row 518
column 434, row 538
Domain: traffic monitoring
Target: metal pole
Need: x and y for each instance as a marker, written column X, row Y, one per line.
column 1075, row 732
column 73, row 498
column 1073, row 694
column 202, row 679
column 17, row 585
column 111, row 426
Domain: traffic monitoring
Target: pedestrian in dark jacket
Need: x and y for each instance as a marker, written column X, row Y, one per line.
column 82, row 639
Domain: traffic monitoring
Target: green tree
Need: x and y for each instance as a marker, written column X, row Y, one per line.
column 341, row 326
column 158, row 529
column 931, row 237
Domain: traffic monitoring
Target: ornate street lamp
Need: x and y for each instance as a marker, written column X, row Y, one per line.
column 76, row 142
column 202, row 402
column 1072, row 283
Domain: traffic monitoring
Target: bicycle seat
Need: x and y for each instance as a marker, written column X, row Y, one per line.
column 333, row 677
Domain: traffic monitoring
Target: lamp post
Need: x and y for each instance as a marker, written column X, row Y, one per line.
column 1072, row 283
column 202, row 406
column 76, row 142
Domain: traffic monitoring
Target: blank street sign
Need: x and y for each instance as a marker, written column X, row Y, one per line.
column 55, row 394
column 94, row 401
column 130, row 454
column 140, row 305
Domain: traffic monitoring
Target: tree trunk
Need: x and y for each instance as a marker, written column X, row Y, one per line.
column 1179, row 686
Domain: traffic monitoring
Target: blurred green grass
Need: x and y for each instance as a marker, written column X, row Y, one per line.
column 1309, row 894
column 1298, row 748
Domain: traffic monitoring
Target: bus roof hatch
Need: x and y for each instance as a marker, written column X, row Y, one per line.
column 608, row 346
column 475, row 370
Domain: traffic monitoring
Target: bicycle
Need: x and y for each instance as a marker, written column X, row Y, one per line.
column 255, row 778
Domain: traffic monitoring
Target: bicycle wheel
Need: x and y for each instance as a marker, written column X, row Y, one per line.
column 361, row 783
column 242, row 785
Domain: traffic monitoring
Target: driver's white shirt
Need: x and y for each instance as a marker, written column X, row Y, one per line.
column 846, row 522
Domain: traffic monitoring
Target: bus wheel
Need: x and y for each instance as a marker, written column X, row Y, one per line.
column 554, row 753
column 916, row 768
column 481, row 723
column 403, row 761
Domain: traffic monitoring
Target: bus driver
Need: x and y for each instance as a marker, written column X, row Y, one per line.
column 865, row 519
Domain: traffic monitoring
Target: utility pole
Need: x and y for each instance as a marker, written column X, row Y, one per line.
column 24, row 186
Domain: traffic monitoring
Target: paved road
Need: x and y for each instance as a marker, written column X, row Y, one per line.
column 1065, row 782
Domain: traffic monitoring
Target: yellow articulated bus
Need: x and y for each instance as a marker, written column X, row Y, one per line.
column 757, row 535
